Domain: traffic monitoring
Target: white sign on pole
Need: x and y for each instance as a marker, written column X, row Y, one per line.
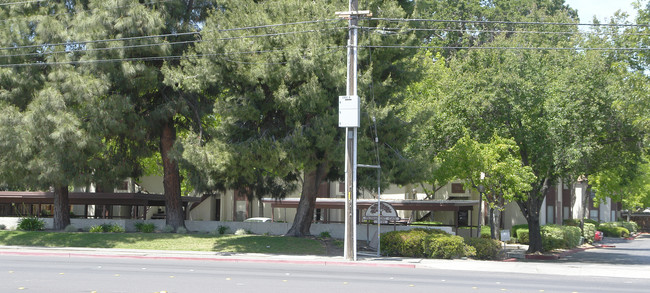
column 349, row 111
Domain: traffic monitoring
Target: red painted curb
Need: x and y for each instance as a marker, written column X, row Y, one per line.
column 543, row 256
column 240, row 260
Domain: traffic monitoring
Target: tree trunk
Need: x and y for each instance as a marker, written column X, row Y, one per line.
column 530, row 208
column 61, row 208
column 305, row 212
column 491, row 217
column 495, row 223
column 171, row 179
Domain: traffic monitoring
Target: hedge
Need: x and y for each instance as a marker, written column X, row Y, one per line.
column 612, row 231
column 487, row 249
column 629, row 226
column 553, row 236
column 430, row 243
column 588, row 231
column 513, row 230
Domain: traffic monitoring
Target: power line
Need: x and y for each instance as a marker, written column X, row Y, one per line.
column 158, row 58
column 22, row 2
column 507, row 22
column 166, row 35
column 162, row 44
column 87, row 10
column 478, row 31
column 509, row 48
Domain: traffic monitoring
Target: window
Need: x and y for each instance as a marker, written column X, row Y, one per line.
column 457, row 188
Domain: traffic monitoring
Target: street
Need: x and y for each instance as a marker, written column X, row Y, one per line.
column 47, row 273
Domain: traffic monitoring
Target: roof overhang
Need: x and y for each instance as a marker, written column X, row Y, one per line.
column 87, row 198
column 413, row 205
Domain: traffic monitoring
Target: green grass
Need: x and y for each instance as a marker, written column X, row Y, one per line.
column 425, row 223
column 167, row 241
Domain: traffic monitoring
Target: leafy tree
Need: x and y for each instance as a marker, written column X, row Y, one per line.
column 277, row 111
column 494, row 169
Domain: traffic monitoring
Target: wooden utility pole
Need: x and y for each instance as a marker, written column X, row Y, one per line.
column 349, row 117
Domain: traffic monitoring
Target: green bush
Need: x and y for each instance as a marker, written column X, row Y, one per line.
column 70, row 228
column 432, row 243
column 523, row 235
column 558, row 237
column 145, row 227
column 181, row 230
column 444, row 246
column 222, row 229
column 325, row 234
column 2, row 227
column 613, row 231
column 105, row 228
column 487, row 249
column 633, row 227
column 594, row 222
column 31, row 224
column 589, row 228
column 168, row 229
column 515, row 228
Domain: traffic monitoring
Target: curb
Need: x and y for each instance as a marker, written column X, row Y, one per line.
column 212, row 259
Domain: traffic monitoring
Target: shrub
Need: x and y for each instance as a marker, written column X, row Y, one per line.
column 70, row 228
column 444, row 246
column 168, row 229
column 145, row 227
column 515, row 228
column 241, row 232
column 424, row 243
column 556, row 237
column 181, row 230
column 222, row 229
column 611, row 230
column 589, row 232
column 630, row 226
column 96, row 229
column 487, row 249
column 590, row 221
column 105, row 228
column 31, row 224
column 325, row 234
column 3, row 227
column 523, row 235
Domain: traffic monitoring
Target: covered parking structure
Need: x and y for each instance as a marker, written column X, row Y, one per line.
column 458, row 207
column 37, row 203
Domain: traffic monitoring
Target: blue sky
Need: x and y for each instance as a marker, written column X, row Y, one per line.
column 601, row 8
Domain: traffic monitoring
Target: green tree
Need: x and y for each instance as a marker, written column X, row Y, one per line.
column 277, row 111
column 494, row 169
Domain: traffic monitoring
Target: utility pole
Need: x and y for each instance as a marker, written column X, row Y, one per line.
column 349, row 117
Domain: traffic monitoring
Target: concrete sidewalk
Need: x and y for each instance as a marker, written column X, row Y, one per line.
column 525, row 267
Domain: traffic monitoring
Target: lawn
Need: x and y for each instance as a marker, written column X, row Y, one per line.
column 167, row 241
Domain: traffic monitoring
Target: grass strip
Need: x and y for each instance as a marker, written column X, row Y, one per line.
column 167, row 241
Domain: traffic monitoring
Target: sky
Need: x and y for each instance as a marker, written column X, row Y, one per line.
column 601, row 8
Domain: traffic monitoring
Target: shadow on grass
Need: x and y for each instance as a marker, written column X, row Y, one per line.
column 167, row 241
column 75, row 239
column 269, row 244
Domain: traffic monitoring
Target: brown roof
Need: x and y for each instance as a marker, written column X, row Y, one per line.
column 87, row 198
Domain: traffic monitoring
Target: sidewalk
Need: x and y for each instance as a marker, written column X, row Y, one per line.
column 525, row 267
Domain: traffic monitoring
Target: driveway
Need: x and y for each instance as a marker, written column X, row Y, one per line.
column 629, row 252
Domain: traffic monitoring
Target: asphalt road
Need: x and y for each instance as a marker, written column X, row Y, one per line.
column 620, row 251
column 34, row 273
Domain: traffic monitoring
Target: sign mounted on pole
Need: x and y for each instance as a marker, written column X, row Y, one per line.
column 349, row 111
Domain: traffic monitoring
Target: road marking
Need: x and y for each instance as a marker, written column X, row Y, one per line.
column 11, row 272
column 475, row 288
column 117, row 275
column 228, row 279
column 345, row 283
column 21, row 288
column 411, row 285
column 171, row 277
column 61, row 273
column 285, row 281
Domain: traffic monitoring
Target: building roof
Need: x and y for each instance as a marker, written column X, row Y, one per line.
column 419, row 205
column 87, row 198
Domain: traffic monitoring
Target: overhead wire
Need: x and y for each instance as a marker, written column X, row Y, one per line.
column 157, row 58
column 508, row 22
column 158, row 44
column 161, row 35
